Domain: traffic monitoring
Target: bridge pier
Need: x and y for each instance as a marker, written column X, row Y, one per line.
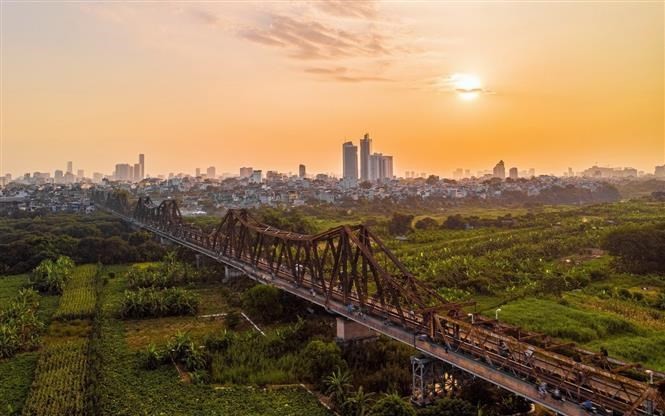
column 348, row 330
column 230, row 272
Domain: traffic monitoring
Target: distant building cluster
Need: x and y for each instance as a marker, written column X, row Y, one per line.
column 370, row 167
column 130, row 173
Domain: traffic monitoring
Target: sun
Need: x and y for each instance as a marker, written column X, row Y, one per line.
column 467, row 86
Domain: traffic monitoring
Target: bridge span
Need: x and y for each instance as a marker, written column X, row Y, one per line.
column 350, row 272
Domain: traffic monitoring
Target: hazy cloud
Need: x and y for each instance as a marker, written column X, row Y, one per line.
column 343, row 74
column 305, row 38
column 345, row 8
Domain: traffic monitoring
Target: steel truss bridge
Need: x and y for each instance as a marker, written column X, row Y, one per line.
column 349, row 271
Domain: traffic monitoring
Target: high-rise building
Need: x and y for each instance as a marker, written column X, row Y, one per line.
column 500, row 170
column 660, row 171
column 70, row 167
column 246, row 172
column 211, row 172
column 197, row 172
column 142, row 168
column 58, row 176
column 302, row 172
column 380, row 167
column 136, row 172
column 350, row 161
column 387, row 167
column 97, row 177
column 123, row 172
column 458, row 173
column 80, row 174
column 513, row 173
column 365, row 152
column 532, row 172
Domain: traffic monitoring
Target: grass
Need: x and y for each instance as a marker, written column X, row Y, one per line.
column 565, row 322
column 10, row 285
column 15, row 379
column 142, row 332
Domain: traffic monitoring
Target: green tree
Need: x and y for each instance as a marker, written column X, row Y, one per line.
column 400, row 224
column 392, row 405
column 319, row 359
column 262, row 303
column 338, row 384
column 359, row 403
column 427, row 223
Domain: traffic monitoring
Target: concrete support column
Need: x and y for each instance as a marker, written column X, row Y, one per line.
column 348, row 330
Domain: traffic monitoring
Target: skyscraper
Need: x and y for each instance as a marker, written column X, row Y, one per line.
column 500, row 170
column 513, row 173
column 70, row 167
column 302, row 172
column 350, row 161
column 142, row 163
column 211, row 172
column 365, row 152
column 136, row 172
column 123, row 172
column 198, row 172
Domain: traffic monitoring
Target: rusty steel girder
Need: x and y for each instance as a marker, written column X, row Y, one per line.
column 350, row 265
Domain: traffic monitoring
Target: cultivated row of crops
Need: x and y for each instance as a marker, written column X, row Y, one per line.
column 150, row 302
column 19, row 324
column 78, row 298
column 58, row 387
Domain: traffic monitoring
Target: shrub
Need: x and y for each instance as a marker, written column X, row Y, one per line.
column 152, row 357
column 319, row 359
column 392, row 405
column 50, row 276
column 149, row 302
column 262, row 303
column 19, row 324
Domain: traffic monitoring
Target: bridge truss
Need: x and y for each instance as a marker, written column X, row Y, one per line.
column 349, row 271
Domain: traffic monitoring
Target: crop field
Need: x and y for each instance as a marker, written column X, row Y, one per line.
column 58, row 387
column 78, row 298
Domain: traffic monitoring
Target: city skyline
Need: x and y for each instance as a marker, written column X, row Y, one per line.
column 443, row 85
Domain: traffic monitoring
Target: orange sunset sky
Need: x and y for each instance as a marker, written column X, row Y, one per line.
column 275, row 84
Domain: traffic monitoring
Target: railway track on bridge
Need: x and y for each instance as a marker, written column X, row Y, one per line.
column 349, row 271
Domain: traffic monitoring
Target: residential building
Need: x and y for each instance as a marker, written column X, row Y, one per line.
column 70, row 167
column 660, row 171
column 142, row 168
column 256, row 176
column 302, row 172
column 246, row 172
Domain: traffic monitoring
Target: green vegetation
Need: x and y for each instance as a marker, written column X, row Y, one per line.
column 15, row 379
column 151, row 302
column 263, row 303
column 20, row 324
column 78, row 299
column 51, row 276
column 59, row 381
column 26, row 241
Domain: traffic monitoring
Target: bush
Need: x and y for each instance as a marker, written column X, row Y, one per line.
column 319, row 359
column 400, row 224
column 19, row 324
column 392, row 405
column 426, row 223
column 50, row 276
column 449, row 407
column 149, row 302
column 152, row 357
column 262, row 302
